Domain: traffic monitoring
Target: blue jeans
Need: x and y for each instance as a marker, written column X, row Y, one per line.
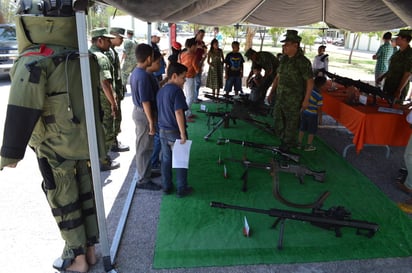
column 167, row 140
column 156, row 149
column 198, row 83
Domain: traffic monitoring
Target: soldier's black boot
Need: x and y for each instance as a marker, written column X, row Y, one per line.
column 108, row 164
column 118, row 147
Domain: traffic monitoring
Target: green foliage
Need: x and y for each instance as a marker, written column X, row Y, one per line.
column 275, row 32
column 308, row 37
column 228, row 31
column 8, row 9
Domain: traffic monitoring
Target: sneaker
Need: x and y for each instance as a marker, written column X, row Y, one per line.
column 187, row 191
column 150, row 186
column 108, row 165
column 310, row 148
column 299, row 146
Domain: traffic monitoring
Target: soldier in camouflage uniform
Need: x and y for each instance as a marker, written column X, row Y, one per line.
column 269, row 63
column 100, row 44
column 128, row 57
column 46, row 111
column 292, row 88
column 119, row 88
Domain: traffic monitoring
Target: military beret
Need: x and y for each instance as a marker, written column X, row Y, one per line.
column 118, row 31
column 291, row 36
column 101, row 32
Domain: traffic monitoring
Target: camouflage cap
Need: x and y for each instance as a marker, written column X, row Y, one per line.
column 291, row 36
column 405, row 33
column 101, row 32
column 118, row 31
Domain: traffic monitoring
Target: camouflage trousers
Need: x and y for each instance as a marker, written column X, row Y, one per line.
column 69, row 191
column 287, row 119
column 111, row 125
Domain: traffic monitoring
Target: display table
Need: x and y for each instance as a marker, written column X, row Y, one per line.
column 368, row 125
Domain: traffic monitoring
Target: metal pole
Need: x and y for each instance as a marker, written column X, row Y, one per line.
column 92, row 138
column 149, row 33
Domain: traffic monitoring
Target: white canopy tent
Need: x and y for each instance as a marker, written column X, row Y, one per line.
column 353, row 15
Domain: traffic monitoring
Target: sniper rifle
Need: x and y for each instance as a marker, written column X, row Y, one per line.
column 334, row 219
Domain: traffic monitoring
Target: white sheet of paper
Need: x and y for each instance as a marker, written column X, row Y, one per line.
column 181, row 154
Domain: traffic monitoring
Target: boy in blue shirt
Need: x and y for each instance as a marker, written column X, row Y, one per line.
column 171, row 106
column 312, row 116
column 144, row 117
column 234, row 69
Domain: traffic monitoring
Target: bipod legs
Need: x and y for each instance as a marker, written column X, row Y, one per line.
column 281, row 231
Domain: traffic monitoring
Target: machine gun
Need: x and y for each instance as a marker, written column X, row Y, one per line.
column 239, row 111
column 363, row 87
column 273, row 149
column 298, row 170
column 274, row 168
column 334, row 219
column 225, row 99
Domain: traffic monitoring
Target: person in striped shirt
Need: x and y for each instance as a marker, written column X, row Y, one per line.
column 312, row 116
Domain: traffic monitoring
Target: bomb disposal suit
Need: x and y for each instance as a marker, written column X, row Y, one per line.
column 46, row 111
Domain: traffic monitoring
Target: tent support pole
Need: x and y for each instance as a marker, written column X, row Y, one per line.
column 92, row 138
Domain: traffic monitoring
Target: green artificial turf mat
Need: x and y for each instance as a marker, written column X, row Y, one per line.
column 191, row 233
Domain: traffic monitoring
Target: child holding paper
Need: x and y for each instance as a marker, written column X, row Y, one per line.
column 171, row 105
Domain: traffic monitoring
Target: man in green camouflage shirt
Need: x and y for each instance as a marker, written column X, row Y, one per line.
column 100, row 44
column 119, row 88
column 128, row 57
column 292, row 88
column 269, row 63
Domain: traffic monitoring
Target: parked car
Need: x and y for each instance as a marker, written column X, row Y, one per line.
column 320, row 40
column 8, row 47
column 339, row 42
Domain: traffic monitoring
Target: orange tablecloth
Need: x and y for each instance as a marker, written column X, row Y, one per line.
column 367, row 124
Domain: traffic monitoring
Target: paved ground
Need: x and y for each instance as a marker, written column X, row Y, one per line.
column 31, row 241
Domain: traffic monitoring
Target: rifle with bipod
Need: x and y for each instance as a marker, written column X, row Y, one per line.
column 334, row 219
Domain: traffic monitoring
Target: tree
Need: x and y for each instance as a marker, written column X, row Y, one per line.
column 308, row 38
column 275, row 32
column 250, row 33
column 355, row 39
column 228, row 31
column 8, row 9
